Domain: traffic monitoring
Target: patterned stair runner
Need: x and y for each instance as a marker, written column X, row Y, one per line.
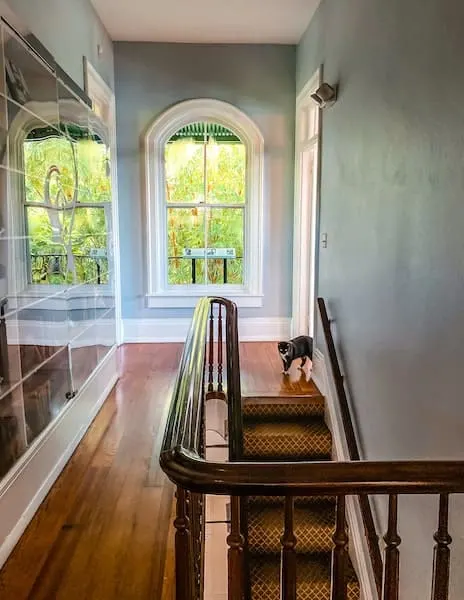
column 290, row 429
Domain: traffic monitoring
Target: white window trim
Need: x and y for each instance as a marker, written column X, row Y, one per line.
column 96, row 88
column 159, row 293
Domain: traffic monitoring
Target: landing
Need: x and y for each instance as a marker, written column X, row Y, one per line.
column 261, row 373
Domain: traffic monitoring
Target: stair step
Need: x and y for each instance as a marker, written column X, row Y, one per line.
column 267, row 408
column 313, row 578
column 298, row 500
column 295, row 440
column 313, row 528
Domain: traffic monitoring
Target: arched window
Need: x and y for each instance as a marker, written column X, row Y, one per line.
column 60, row 205
column 204, row 172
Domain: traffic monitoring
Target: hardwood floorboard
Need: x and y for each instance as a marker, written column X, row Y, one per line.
column 104, row 531
column 261, row 372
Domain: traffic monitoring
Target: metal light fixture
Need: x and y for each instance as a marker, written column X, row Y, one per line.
column 325, row 95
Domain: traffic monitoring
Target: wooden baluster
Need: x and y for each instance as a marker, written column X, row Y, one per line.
column 220, row 350
column 235, row 541
column 340, row 552
column 196, row 507
column 441, row 553
column 183, row 548
column 288, row 559
column 211, row 350
column 392, row 554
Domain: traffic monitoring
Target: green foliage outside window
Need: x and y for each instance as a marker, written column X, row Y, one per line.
column 209, row 180
column 62, row 175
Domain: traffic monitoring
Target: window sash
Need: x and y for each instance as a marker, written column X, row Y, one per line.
column 204, row 280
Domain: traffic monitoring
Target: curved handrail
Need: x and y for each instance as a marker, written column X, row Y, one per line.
column 186, row 403
column 181, row 459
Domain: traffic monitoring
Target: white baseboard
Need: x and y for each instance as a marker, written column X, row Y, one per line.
column 175, row 330
column 25, row 487
column 359, row 551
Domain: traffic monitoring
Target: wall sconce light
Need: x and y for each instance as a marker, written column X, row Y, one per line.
column 325, row 95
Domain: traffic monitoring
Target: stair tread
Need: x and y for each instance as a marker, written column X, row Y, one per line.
column 277, row 407
column 313, row 577
column 313, row 528
column 304, row 439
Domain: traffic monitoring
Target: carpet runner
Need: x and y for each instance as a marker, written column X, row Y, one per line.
column 280, row 429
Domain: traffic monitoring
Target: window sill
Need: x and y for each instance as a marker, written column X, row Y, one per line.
column 178, row 300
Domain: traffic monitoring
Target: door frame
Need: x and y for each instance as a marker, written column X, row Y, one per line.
column 306, row 219
column 96, row 87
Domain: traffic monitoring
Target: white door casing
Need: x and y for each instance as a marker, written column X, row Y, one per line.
column 306, row 208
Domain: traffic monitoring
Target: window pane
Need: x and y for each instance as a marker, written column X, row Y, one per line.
column 184, row 168
column 225, row 227
column 225, row 172
column 49, row 168
column 94, row 171
column 186, row 231
column 67, row 246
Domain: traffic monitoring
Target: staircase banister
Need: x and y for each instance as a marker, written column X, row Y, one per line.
column 352, row 444
column 184, row 416
column 187, row 469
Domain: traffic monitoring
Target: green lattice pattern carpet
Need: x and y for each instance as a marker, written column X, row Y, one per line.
column 273, row 431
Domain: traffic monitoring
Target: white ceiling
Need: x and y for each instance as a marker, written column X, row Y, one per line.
column 207, row 21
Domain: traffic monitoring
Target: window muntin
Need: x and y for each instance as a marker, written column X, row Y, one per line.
column 205, row 168
column 66, row 204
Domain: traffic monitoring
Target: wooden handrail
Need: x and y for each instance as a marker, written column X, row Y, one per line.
column 190, row 471
column 353, row 449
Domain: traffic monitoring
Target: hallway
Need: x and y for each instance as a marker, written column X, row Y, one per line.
column 103, row 532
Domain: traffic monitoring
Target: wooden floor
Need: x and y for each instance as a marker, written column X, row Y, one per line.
column 103, row 532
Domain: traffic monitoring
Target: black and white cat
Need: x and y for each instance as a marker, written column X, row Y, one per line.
column 299, row 347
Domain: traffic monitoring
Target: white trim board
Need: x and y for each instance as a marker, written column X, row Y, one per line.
column 175, row 330
column 359, row 551
column 25, row 487
column 306, row 209
column 99, row 91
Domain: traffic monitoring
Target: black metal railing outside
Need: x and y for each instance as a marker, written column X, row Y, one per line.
column 54, row 269
column 194, row 270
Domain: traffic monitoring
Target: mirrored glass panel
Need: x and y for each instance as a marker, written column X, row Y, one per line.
column 43, row 331
column 83, row 337
column 29, row 80
column 57, row 315
column 12, row 430
column 84, row 356
column 106, row 333
column 45, row 393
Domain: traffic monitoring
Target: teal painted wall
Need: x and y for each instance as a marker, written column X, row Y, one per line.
column 258, row 79
column 392, row 204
